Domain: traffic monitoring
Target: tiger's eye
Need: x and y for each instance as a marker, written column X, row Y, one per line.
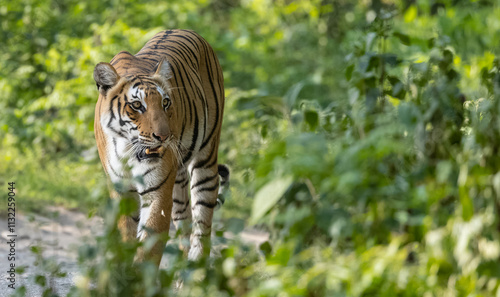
column 136, row 105
column 166, row 103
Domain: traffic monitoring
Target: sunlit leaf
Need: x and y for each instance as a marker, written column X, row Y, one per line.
column 410, row 14
column 292, row 95
column 267, row 197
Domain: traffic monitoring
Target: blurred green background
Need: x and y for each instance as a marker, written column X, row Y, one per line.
column 363, row 135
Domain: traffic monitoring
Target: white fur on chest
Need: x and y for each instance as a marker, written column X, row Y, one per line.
column 122, row 164
column 126, row 168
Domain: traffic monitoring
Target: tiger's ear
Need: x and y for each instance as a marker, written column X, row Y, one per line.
column 105, row 77
column 162, row 74
column 163, row 69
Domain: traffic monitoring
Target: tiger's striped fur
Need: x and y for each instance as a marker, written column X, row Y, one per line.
column 168, row 100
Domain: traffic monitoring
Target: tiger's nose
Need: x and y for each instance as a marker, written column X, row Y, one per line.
column 160, row 137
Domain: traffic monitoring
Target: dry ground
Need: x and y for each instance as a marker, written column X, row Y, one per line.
column 60, row 234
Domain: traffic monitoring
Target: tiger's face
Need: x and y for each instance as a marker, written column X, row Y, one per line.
column 138, row 114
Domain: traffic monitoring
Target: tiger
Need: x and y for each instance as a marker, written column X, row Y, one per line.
column 158, row 122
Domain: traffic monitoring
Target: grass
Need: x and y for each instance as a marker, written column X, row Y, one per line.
column 68, row 181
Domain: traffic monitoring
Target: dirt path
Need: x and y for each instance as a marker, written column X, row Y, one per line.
column 59, row 235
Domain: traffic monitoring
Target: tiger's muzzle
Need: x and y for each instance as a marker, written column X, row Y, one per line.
column 149, row 153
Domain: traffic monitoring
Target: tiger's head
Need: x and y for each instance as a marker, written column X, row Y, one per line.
column 138, row 109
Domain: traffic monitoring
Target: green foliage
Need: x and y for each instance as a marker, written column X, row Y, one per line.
column 363, row 136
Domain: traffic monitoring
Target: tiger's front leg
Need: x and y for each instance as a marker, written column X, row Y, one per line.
column 204, row 188
column 181, row 211
column 154, row 218
column 127, row 224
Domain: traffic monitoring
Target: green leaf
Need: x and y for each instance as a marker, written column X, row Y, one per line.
column 398, row 88
column 312, row 119
column 390, row 59
column 348, row 72
column 267, row 104
column 264, row 130
column 267, row 197
column 36, row 249
column 40, row 279
column 281, row 257
column 293, row 93
column 431, row 42
column 229, row 267
column 371, row 97
column 127, row 206
column 266, row 248
column 48, row 293
column 411, row 14
column 171, row 249
column 235, row 225
column 370, row 38
column 405, row 39
column 466, row 203
column 353, row 95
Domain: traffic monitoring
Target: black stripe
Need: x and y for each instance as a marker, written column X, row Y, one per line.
column 205, row 180
column 116, row 151
column 203, row 223
column 214, row 161
column 182, row 70
column 216, row 124
column 196, row 36
column 115, row 61
column 206, row 204
column 121, row 122
column 180, row 181
column 185, row 56
column 179, row 53
column 152, row 62
column 184, row 209
column 194, row 45
column 156, row 187
column 148, row 171
column 212, row 158
column 117, row 132
column 209, row 188
column 179, row 218
column 186, row 46
column 111, row 110
column 113, row 170
column 187, row 157
column 180, row 92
